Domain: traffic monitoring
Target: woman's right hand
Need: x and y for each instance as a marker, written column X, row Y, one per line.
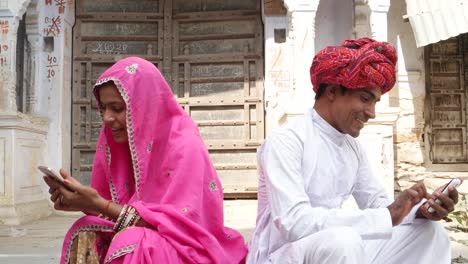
column 82, row 198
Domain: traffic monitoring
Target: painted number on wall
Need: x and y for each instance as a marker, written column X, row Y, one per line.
column 3, row 59
column 51, row 65
column 4, row 27
column 3, row 48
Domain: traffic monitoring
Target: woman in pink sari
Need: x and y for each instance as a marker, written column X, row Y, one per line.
column 155, row 196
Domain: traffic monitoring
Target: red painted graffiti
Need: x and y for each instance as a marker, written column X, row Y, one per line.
column 3, row 61
column 3, row 48
column 61, row 5
column 53, row 26
column 4, row 27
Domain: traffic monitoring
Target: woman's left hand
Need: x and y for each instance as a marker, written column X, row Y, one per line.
column 76, row 197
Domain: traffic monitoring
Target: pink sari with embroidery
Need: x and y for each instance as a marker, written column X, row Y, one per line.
column 174, row 186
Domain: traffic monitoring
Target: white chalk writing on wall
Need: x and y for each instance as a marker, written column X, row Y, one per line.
column 111, row 48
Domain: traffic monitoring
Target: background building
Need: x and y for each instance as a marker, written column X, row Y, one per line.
column 239, row 68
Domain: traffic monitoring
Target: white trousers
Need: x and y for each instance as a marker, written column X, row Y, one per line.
column 423, row 241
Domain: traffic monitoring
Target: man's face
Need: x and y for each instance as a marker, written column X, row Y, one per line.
column 351, row 110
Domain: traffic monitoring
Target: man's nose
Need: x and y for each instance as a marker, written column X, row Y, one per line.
column 370, row 111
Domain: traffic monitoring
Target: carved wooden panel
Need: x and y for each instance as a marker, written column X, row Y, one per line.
column 106, row 31
column 205, row 6
column 120, row 6
column 446, row 81
column 210, row 52
column 448, row 145
column 218, row 70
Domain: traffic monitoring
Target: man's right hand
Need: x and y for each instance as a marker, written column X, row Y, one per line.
column 405, row 202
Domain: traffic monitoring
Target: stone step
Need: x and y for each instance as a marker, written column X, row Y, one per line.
column 42, row 240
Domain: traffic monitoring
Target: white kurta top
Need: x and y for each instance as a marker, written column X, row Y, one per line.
column 307, row 170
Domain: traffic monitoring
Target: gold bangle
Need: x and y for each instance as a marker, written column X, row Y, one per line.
column 128, row 217
column 118, row 222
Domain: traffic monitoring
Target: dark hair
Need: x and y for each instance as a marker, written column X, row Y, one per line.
column 98, row 87
column 323, row 87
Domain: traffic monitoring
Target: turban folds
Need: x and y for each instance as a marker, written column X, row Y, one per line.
column 355, row 64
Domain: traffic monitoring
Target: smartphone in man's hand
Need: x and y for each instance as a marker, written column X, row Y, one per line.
column 455, row 182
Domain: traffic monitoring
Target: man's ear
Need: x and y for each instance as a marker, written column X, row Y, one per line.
column 332, row 91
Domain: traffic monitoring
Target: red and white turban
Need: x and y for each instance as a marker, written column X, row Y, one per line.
column 356, row 64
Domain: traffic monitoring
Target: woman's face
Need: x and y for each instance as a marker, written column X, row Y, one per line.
column 114, row 112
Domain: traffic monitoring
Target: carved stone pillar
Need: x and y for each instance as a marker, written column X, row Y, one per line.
column 370, row 19
column 378, row 19
column 32, row 31
column 22, row 136
column 379, row 31
column 302, row 45
column 361, row 19
column 7, row 61
column 7, row 87
column 277, row 68
column 378, row 134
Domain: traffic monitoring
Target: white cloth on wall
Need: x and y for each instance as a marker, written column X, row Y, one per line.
column 307, row 170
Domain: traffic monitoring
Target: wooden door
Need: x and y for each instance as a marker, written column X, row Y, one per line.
column 211, row 54
column 446, row 83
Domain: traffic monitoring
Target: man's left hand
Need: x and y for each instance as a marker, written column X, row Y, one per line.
column 441, row 210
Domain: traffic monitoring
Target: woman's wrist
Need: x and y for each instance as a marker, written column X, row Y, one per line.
column 101, row 204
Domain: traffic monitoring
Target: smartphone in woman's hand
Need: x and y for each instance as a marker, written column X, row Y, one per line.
column 55, row 176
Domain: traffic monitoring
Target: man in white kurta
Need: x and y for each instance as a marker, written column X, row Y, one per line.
column 309, row 167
